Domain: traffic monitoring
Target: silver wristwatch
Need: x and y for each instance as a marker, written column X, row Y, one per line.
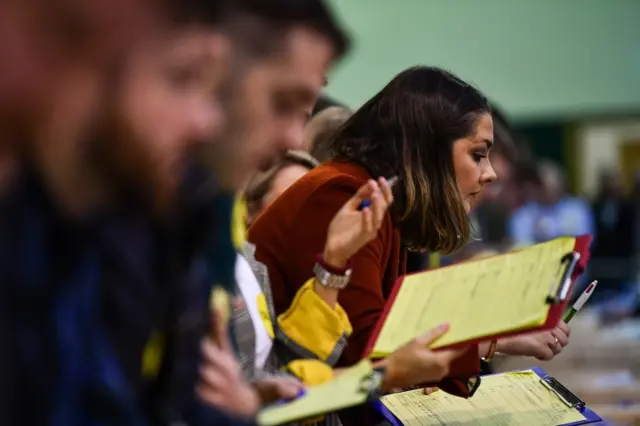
column 328, row 279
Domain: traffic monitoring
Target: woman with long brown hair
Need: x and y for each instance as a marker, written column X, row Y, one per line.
column 434, row 132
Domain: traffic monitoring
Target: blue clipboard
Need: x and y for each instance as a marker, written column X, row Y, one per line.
column 591, row 417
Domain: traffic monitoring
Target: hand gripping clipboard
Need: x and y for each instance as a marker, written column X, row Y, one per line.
column 571, row 267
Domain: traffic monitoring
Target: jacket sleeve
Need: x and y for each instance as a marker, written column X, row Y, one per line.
column 290, row 256
column 311, row 328
column 289, row 253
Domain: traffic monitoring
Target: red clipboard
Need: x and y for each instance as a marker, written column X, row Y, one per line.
column 575, row 264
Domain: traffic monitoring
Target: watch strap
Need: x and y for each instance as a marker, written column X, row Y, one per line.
column 332, row 269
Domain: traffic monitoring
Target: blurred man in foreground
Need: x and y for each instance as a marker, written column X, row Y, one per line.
column 90, row 253
column 273, row 87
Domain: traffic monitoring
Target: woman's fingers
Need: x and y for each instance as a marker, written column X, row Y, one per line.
column 383, row 200
column 429, row 391
column 545, row 353
column 564, row 327
column 432, row 335
column 387, row 193
column 561, row 336
column 363, row 194
column 367, row 221
column 549, row 348
column 379, row 208
column 276, row 388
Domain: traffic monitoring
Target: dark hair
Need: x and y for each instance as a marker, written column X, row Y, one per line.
column 276, row 17
column 325, row 102
column 408, row 129
column 261, row 182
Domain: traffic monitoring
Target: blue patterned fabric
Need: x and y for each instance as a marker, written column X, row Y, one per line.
column 62, row 363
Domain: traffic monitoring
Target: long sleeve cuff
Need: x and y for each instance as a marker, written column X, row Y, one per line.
column 311, row 328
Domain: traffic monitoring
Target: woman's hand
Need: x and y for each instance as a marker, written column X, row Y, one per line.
column 414, row 363
column 273, row 389
column 221, row 382
column 351, row 228
column 543, row 346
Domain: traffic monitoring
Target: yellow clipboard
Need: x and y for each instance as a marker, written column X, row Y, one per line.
column 352, row 387
column 479, row 299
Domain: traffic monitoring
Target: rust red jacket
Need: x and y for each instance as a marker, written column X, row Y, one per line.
column 292, row 231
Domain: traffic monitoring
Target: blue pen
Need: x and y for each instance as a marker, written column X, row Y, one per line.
column 366, row 203
column 300, row 394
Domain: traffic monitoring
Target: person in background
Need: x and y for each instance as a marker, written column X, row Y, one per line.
column 613, row 252
column 439, row 178
column 319, row 131
column 287, row 69
column 551, row 212
column 265, row 187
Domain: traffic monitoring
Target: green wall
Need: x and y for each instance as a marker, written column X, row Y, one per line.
column 536, row 58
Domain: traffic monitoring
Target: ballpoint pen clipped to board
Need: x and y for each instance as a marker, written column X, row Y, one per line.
column 586, row 294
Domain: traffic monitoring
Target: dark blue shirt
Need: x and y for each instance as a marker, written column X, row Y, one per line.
column 80, row 300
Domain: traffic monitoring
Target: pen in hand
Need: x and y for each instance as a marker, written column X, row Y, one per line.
column 300, row 394
column 580, row 302
column 366, row 203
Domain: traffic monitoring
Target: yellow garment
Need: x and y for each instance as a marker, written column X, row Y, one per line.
column 349, row 389
column 312, row 324
column 239, row 222
column 434, row 260
column 311, row 372
column 265, row 315
column 152, row 356
column 220, row 300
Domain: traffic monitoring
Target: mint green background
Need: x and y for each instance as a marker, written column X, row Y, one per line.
column 536, row 58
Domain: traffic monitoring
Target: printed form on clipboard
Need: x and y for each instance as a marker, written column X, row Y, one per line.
column 512, row 293
column 520, row 398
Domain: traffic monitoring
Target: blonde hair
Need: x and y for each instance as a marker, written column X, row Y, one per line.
column 321, row 130
column 261, row 183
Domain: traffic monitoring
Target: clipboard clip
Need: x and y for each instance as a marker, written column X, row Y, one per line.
column 568, row 265
column 562, row 392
